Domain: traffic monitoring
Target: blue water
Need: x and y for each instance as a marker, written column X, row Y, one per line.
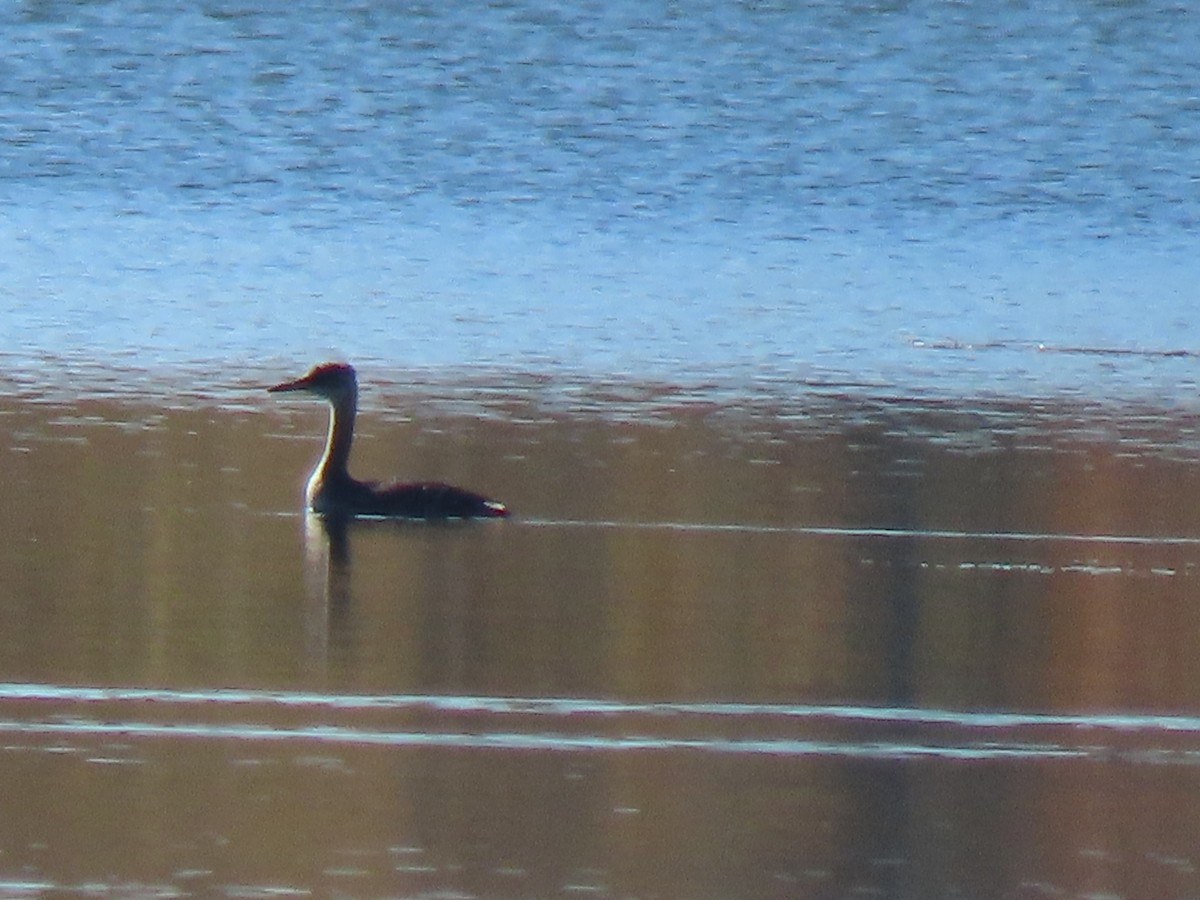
column 923, row 198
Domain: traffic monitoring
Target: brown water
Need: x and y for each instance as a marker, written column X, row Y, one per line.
column 841, row 647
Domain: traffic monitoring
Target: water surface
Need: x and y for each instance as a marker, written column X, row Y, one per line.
column 905, row 648
column 752, row 193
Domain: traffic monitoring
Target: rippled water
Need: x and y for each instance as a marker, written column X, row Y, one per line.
column 747, row 192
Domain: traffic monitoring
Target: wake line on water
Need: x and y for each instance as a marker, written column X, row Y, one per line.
column 1046, row 347
column 55, row 713
column 875, row 532
column 528, row 742
column 573, row 706
column 863, row 531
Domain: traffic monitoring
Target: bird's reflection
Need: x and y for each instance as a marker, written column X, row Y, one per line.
column 330, row 627
column 326, row 581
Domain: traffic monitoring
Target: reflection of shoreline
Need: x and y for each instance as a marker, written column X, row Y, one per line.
column 808, row 554
column 854, row 557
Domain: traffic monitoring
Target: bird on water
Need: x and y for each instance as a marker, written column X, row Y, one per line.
column 332, row 491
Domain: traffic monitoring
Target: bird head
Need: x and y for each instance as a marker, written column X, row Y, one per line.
column 329, row 380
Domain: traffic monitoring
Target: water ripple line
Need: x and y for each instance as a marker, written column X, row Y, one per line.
column 851, row 531
column 517, row 741
column 58, row 713
column 579, row 706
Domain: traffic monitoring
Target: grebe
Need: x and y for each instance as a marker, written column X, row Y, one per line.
column 332, row 491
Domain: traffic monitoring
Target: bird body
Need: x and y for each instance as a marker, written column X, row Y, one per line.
column 332, row 491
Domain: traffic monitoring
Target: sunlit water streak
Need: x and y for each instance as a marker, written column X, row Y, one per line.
column 1018, row 539
column 572, row 706
column 871, row 532
column 320, row 735
column 30, row 888
column 833, row 531
column 566, row 725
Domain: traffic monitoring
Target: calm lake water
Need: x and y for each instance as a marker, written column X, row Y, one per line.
column 898, row 649
column 839, row 364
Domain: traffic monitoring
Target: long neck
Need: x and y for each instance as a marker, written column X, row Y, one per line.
column 335, row 461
